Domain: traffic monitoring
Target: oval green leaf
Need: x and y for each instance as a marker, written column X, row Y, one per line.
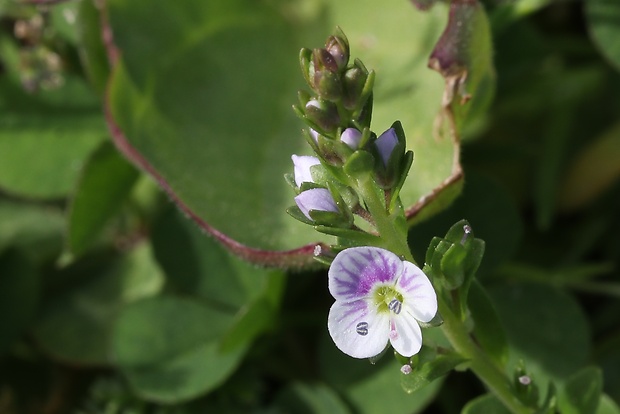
column 209, row 115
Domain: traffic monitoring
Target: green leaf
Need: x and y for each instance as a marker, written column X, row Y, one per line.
column 302, row 398
column 169, row 348
column 76, row 326
column 607, row 406
column 594, row 170
column 539, row 321
column 46, row 137
column 19, row 295
column 211, row 105
column 493, row 216
column 485, row 404
column 90, row 44
column 258, row 316
column 196, row 265
column 371, row 388
column 488, row 329
column 105, row 182
column 603, row 18
column 504, row 14
column 429, row 372
column 35, row 230
column 463, row 56
column 582, row 392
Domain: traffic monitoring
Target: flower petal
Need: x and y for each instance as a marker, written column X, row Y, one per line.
column 405, row 335
column 386, row 144
column 355, row 271
column 315, row 136
column 316, row 199
column 418, row 293
column 357, row 330
column 302, row 166
column 351, row 137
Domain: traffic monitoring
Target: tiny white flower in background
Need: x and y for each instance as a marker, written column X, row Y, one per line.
column 379, row 298
column 386, row 144
column 302, row 164
column 319, row 199
column 351, row 137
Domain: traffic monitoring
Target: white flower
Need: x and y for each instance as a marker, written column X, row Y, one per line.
column 379, row 298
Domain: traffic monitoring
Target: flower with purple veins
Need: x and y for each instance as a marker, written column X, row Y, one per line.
column 379, row 299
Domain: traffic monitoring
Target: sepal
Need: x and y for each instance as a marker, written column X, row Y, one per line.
column 338, row 46
column 360, row 237
column 359, row 164
column 455, row 258
column 307, row 67
column 430, row 367
column 433, row 323
column 298, row 215
column 524, row 385
column 322, row 113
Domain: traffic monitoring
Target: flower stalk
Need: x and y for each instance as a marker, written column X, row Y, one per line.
column 382, row 298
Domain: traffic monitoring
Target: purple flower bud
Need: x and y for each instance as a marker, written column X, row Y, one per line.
column 316, row 199
column 351, row 137
column 302, row 166
column 386, row 144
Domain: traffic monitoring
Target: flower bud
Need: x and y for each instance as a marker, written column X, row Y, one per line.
column 318, row 199
column 386, row 144
column 353, row 85
column 323, row 60
column 322, row 113
column 327, row 85
column 302, row 165
column 338, row 46
column 352, row 137
column 326, row 79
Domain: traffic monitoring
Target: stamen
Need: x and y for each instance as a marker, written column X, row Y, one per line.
column 466, row 232
column 362, row 328
column 395, row 306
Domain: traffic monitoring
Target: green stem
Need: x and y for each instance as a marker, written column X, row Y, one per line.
column 395, row 239
column 484, row 368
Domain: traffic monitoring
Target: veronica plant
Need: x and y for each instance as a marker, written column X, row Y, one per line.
column 350, row 189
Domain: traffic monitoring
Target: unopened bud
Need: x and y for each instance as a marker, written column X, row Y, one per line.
column 323, row 113
column 327, row 85
column 338, row 47
column 323, row 60
column 354, row 81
